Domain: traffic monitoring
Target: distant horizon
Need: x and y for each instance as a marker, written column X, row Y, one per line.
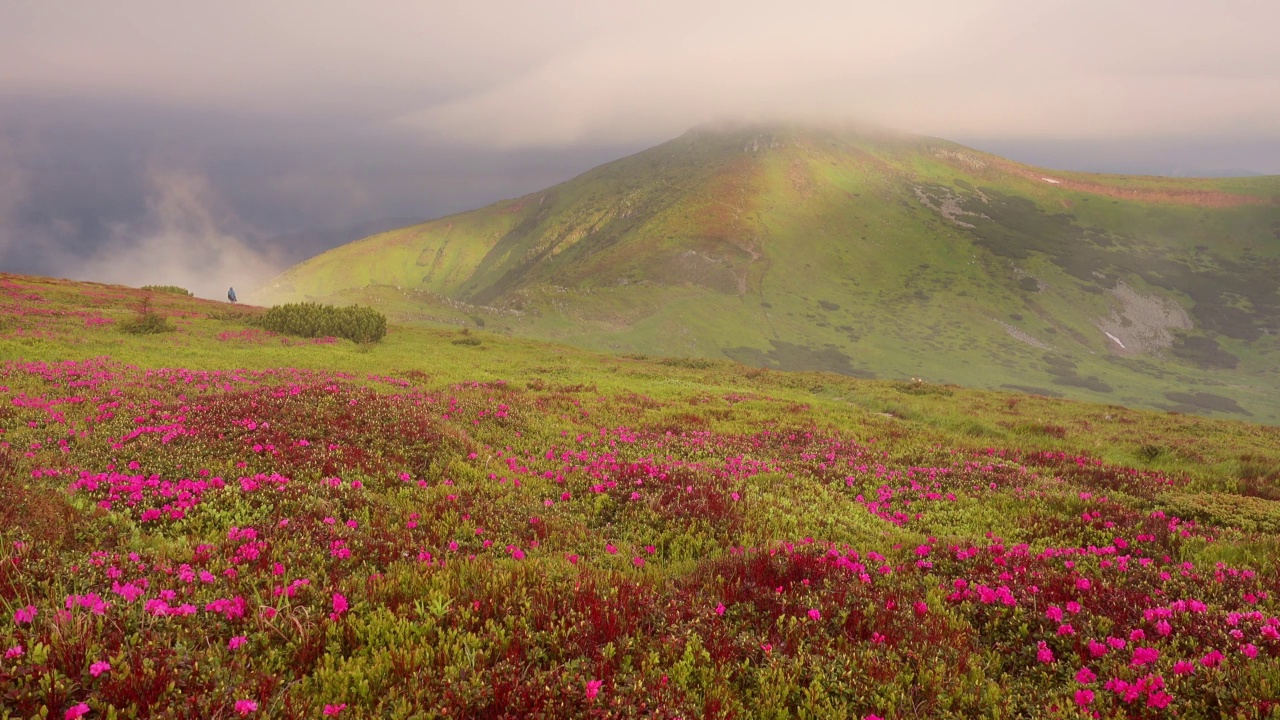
column 169, row 200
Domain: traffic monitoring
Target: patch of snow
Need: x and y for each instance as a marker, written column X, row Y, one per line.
column 1113, row 337
column 1051, row 180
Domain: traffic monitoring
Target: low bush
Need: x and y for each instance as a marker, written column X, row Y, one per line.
column 147, row 321
column 689, row 363
column 170, row 289
column 1250, row 514
column 312, row 320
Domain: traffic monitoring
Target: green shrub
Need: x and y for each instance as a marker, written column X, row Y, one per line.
column 171, row 289
column 147, row 321
column 1250, row 514
column 312, row 320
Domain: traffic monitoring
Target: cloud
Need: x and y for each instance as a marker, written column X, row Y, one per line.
column 179, row 241
column 503, row 73
column 993, row 68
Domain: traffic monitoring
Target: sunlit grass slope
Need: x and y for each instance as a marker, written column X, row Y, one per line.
column 868, row 253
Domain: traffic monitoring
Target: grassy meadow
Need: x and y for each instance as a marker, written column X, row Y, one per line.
column 218, row 521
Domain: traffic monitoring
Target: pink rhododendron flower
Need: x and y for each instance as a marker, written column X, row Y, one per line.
column 1085, row 676
column 235, row 642
column 1084, row 697
column 334, row 709
column 1054, row 613
column 1117, row 685
column 1097, row 649
column 1250, row 650
column 1212, row 659
column 1182, row 667
column 76, row 711
column 25, row 614
column 246, row 707
column 1144, row 656
column 593, row 688
column 99, row 667
column 815, row 614
column 637, row 561
column 339, row 605
column 1043, row 653
column 13, row 652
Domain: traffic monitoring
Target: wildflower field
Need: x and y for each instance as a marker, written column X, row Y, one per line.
column 222, row 522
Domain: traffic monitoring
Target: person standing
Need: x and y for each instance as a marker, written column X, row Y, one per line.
column 231, row 294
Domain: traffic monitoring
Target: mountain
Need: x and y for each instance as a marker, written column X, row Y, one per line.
column 866, row 252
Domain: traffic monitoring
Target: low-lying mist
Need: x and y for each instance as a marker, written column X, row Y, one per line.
column 181, row 240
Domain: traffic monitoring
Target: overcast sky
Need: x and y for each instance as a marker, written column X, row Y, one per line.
column 142, row 141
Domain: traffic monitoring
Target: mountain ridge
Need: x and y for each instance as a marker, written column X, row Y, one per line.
column 865, row 251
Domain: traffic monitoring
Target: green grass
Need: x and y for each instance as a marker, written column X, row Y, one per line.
column 970, row 416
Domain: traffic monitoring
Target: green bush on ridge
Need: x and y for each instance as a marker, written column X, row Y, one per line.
column 171, row 289
column 312, row 320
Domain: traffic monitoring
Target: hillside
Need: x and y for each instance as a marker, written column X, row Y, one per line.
column 219, row 521
column 863, row 252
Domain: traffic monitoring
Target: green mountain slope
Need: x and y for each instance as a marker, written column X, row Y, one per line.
column 868, row 253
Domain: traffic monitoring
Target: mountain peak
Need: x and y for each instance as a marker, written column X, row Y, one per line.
column 865, row 251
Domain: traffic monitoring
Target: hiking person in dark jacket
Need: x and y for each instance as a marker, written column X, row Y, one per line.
column 231, row 294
